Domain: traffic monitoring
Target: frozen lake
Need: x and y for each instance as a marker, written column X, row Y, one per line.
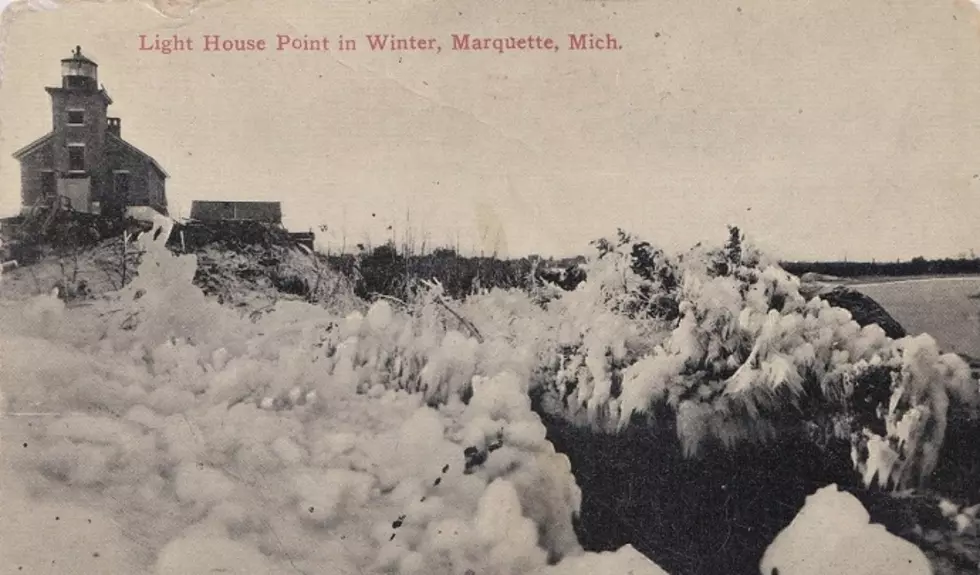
column 941, row 307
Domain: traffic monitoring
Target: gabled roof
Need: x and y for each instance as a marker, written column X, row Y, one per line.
column 45, row 138
column 132, row 148
column 33, row 146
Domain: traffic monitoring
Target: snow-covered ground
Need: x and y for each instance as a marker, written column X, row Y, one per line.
column 156, row 431
column 49, row 534
column 160, row 433
column 832, row 534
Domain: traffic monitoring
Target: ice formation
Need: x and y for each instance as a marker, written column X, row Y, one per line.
column 302, row 441
column 400, row 441
column 831, row 534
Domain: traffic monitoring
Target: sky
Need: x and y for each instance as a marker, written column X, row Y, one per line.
column 825, row 130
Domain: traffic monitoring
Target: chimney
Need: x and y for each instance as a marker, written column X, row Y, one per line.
column 114, row 126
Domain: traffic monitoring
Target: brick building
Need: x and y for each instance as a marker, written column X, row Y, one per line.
column 84, row 159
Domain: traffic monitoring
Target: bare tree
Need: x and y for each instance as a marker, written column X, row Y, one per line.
column 119, row 263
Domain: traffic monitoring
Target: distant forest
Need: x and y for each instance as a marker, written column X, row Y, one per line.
column 389, row 271
column 915, row 267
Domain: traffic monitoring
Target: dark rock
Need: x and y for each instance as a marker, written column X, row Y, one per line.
column 864, row 310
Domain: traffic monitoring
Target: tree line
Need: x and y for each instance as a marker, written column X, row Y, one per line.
column 918, row 266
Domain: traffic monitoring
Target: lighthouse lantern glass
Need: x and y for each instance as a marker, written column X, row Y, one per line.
column 77, row 68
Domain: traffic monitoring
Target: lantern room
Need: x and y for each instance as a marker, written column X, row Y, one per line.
column 78, row 72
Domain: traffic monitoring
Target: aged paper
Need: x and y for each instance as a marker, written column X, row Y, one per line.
column 471, row 287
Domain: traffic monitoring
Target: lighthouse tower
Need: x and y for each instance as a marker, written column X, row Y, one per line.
column 79, row 109
column 83, row 162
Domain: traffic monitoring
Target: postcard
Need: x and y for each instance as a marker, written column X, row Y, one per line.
column 489, row 288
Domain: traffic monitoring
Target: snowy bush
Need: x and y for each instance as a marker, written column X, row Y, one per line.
column 724, row 339
column 298, row 441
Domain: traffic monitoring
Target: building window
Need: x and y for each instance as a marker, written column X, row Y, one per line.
column 76, row 117
column 76, row 157
column 49, row 187
column 120, row 186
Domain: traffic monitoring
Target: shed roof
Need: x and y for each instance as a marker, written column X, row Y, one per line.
column 208, row 210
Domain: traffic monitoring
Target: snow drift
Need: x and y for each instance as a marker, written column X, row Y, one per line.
column 832, row 534
column 404, row 440
column 300, row 441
